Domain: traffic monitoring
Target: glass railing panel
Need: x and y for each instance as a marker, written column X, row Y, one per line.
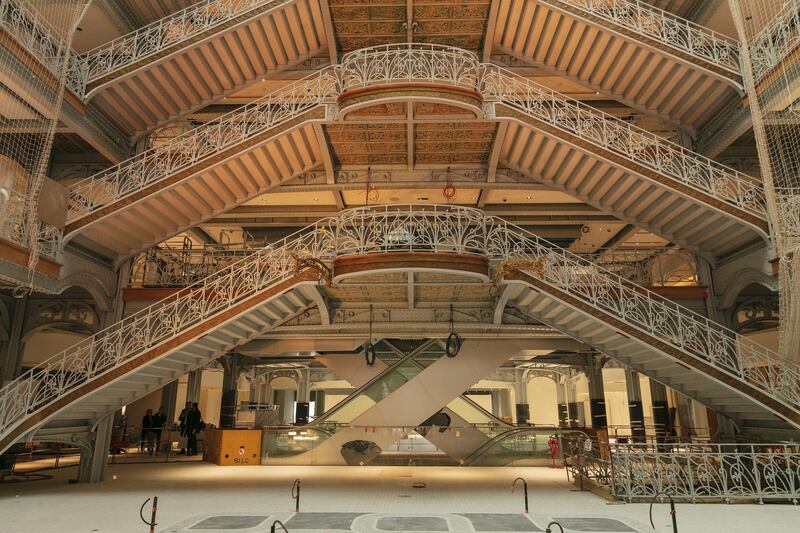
column 279, row 443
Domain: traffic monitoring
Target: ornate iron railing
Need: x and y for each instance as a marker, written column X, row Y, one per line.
column 175, row 267
column 185, row 150
column 707, row 472
column 13, row 226
column 151, row 326
column 46, row 43
column 372, row 230
column 671, row 30
column 166, row 32
column 634, row 144
column 429, row 63
column 776, row 40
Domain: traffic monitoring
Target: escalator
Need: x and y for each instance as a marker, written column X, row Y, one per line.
column 389, row 407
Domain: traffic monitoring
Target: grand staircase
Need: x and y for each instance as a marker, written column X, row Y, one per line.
column 198, row 55
column 648, row 58
column 639, row 177
column 754, row 386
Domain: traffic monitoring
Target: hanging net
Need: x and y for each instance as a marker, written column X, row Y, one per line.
column 35, row 37
column 770, row 34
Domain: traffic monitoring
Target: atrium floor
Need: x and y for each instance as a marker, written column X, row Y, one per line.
column 204, row 498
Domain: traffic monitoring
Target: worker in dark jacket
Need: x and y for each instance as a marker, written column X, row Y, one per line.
column 148, row 432
column 159, row 421
column 194, row 424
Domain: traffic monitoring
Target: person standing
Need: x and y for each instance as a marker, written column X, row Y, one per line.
column 182, row 426
column 194, row 424
column 148, row 436
column 159, row 421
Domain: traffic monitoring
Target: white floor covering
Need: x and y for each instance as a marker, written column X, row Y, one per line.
column 190, row 491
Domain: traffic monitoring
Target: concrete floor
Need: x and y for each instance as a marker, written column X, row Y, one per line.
column 190, row 493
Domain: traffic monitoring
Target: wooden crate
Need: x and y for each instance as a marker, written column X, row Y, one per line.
column 232, row 447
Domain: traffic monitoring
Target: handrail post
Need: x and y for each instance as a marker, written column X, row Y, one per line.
column 525, row 488
column 296, row 495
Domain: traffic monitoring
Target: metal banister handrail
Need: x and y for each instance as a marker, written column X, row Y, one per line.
column 667, row 28
column 431, row 63
column 44, row 41
column 172, row 29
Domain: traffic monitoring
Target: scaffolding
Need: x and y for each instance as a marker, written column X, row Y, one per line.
column 770, row 36
column 35, row 40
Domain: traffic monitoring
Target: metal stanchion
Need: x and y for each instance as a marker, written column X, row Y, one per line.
column 277, row 523
column 152, row 523
column 525, row 487
column 296, row 495
column 671, row 511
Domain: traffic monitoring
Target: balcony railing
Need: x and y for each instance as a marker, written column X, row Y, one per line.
column 776, row 40
column 43, row 41
column 14, row 227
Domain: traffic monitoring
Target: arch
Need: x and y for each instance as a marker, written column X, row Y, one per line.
column 739, row 280
column 91, row 284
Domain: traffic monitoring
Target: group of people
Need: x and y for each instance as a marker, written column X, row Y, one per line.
column 190, row 424
column 152, row 426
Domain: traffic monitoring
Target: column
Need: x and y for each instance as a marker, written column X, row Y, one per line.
column 504, row 395
column 572, row 403
column 495, row 402
column 597, row 400
column 169, row 399
column 12, row 356
column 319, row 402
column 230, row 384
column 193, row 386
column 94, row 459
column 635, row 408
column 561, row 399
column 523, row 409
column 658, row 394
column 303, row 397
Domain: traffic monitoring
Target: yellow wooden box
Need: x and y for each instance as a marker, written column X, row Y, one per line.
column 232, row 447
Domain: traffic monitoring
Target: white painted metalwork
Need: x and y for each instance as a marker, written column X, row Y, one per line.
column 776, row 40
column 151, row 326
column 46, row 43
column 200, row 143
column 14, row 226
column 168, row 31
column 634, row 144
column 699, row 472
column 376, row 230
column 388, row 64
column 667, row 28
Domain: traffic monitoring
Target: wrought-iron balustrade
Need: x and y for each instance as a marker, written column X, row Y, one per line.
column 776, row 40
column 377, row 230
column 388, row 64
column 46, row 43
column 667, row 28
column 168, row 31
column 707, row 471
column 14, row 226
column 185, row 150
